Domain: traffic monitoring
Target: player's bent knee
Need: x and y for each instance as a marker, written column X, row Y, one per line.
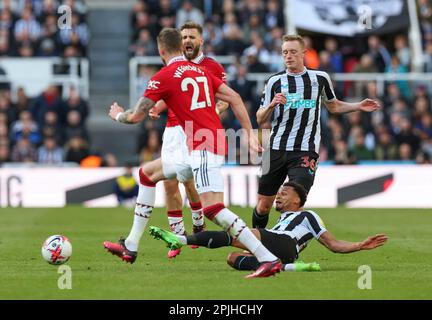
column 232, row 258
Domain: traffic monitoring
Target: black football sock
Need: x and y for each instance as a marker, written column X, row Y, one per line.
column 259, row 221
column 210, row 239
column 246, row 263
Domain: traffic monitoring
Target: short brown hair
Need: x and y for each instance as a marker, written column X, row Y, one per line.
column 170, row 40
column 293, row 37
column 192, row 25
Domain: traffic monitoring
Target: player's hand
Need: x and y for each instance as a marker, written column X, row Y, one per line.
column 153, row 114
column 369, row 105
column 254, row 144
column 115, row 110
column 373, row 242
column 278, row 99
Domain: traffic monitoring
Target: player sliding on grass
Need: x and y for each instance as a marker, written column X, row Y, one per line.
column 190, row 92
column 295, row 228
column 174, row 136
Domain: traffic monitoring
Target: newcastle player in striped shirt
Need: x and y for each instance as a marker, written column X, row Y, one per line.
column 292, row 102
column 295, row 228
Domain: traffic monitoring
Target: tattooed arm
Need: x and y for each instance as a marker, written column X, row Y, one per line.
column 131, row 116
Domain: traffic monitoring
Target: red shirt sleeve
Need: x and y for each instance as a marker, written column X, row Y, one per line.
column 216, row 82
column 156, row 88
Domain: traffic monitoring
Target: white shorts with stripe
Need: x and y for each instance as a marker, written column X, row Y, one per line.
column 179, row 163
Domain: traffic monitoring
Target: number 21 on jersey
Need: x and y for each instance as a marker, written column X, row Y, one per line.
column 194, row 82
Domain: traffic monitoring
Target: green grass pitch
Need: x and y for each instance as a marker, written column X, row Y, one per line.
column 400, row 270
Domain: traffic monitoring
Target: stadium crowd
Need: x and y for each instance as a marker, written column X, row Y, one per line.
column 251, row 31
column 30, row 29
column 44, row 129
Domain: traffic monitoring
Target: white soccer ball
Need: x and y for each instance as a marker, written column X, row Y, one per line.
column 56, row 249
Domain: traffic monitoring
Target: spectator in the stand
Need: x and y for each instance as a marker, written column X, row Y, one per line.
column 405, row 152
column 6, row 107
column 379, row 53
column 342, row 155
column 24, row 151
column 401, row 107
column 254, row 25
column 49, row 100
column 152, row 147
column 396, row 67
column 187, row 13
column 407, row 136
column 212, row 34
column 26, row 128
column 5, row 48
column 336, row 57
column 143, row 22
column 77, row 150
column 250, row 7
column 233, row 43
column 144, row 46
column 109, row 160
column 77, row 35
column 50, row 152
column 52, row 127
column 274, row 16
column 252, row 62
column 311, row 58
column 27, row 28
column 402, row 51
column 257, row 48
column 75, row 126
column 421, row 107
column 365, row 65
column 325, row 62
column 77, row 103
column 26, row 50
column 424, row 128
column 4, row 152
column 393, row 94
column 241, row 85
column 427, row 57
column 166, row 14
column 386, row 149
column 424, row 8
column 22, row 102
column 422, row 157
column 358, row 150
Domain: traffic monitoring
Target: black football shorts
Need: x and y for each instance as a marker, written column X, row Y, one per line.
column 298, row 166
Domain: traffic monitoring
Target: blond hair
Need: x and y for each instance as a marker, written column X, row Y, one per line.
column 293, row 37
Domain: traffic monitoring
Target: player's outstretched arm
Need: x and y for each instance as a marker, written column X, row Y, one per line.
column 341, row 246
column 159, row 107
column 339, row 107
column 131, row 116
column 228, row 95
column 263, row 114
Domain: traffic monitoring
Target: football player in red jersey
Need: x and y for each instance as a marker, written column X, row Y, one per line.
column 190, row 92
column 173, row 136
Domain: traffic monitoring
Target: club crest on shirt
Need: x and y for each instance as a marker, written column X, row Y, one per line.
column 153, row 85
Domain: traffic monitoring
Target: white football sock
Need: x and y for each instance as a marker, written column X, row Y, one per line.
column 289, row 267
column 175, row 220
column 236, row 227
column 197, row 214
column 143, row 210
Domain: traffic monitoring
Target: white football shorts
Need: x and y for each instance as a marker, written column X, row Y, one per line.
column 203, row 166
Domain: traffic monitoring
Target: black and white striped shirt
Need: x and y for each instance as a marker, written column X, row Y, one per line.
column 296, row 125
column 302, row 226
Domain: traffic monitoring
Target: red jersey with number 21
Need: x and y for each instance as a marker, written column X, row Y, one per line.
column 189, row 91
column 209, row 64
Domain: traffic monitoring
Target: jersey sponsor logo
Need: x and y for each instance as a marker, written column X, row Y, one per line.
column 295, row 101
column 153, row 85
